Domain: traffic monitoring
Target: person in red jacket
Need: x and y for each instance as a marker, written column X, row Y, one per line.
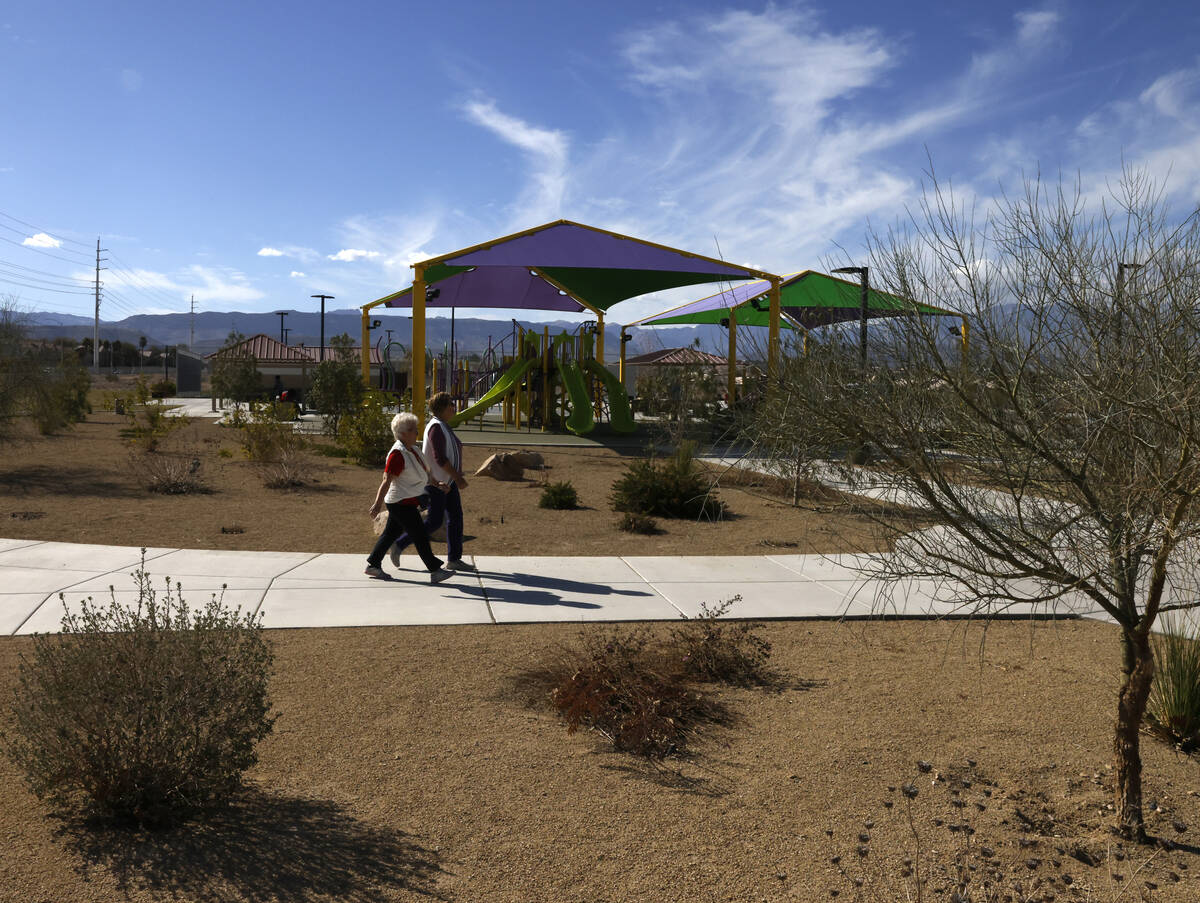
column 405, row 478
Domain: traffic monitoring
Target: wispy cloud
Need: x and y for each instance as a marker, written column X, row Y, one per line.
column 349, row 255
column 42, row 240
column 545, row 149
column 296, row 274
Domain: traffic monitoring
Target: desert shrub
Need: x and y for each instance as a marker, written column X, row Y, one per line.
column 629, row 522
column 720, row 650
column 170, row 473
column 365, row 430
column 1173, row 710
column 235, row 371
column 142, row 712
column 559, row 496
column 272, row 444
column 149, row 423
column 337, row 389
column 676, row 487
column 59, row 397
column 164, row 388
column 615, row 684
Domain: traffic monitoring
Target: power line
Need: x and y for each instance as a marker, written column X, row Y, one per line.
column 42, row 288
column 9, row 263
column 38, row 250
column 45, row 231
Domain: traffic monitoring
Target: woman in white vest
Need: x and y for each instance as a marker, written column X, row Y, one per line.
column 443, row 451
column 405, row 477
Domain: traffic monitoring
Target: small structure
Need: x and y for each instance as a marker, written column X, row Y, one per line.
column 287, row 366
column 669, row 357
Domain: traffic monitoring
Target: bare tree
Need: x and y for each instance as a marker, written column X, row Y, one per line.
column 1058, row 456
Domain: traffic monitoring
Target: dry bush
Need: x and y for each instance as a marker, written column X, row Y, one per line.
column 142, row 712
column 642, row 694
column 170, row 473
column 629, row 522
column 288, row 471
column 719, row 650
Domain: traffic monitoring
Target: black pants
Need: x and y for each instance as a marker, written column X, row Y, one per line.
column 404, row 519
column 443, row 506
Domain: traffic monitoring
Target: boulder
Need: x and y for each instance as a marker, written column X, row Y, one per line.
column 528, row 458
column 501, row 466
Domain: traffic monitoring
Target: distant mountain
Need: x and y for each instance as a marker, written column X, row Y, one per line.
column 211, row 328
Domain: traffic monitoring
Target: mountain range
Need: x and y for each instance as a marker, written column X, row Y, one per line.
column 208, row 331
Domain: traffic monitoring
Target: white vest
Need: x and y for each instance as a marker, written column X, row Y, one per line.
column 412, row 480
column 439, row 472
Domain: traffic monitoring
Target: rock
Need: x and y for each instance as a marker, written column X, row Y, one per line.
column 501, row 466
column 528, row 458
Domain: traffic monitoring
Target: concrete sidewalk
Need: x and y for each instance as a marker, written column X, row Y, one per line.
column 298, row 589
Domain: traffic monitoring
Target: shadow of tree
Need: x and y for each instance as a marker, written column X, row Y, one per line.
column 66, row 480
column 261, row 847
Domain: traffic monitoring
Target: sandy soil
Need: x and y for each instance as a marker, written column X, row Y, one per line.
column 81, row 487
column 407, row 764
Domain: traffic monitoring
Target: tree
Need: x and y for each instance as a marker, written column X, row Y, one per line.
column 1059, row 455
column 35, row 381
column 141, row 352
column 337, row 386
column 235, row 371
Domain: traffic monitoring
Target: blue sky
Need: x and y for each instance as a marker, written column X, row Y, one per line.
column 253, row 154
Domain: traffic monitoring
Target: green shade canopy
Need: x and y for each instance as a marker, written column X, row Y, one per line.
column 810, row 299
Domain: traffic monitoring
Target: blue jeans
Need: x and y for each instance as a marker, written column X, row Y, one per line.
column 441, row 505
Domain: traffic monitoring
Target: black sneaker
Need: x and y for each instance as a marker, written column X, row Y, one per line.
column 439, row 575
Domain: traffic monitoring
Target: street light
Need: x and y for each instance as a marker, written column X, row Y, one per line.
column 862, row 328
column 281, row 314
column 323, row 298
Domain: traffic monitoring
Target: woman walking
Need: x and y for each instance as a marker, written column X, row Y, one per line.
column 405, row 476
column 443, row 451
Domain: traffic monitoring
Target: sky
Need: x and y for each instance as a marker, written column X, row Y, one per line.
column 250, row 155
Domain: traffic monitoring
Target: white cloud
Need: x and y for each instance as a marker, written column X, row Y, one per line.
column 131, row 80
column 42, row 240
column 270, row 252
column 546, row 150
column 349, row 255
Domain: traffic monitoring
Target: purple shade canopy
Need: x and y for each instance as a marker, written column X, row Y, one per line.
column 567, row 244
column 494, row 286
column 562, row 266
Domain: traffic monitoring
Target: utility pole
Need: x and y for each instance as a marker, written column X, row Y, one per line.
column 192, row 329
column 96, row 326
column 323, row 298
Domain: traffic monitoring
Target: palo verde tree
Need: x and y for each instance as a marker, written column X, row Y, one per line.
column 1058, row 453
column 337, row 387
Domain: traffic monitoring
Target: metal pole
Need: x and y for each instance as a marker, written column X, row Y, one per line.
column 862, row 325
column 323, row 298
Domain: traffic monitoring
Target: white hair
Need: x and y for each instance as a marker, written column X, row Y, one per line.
column 403, row 422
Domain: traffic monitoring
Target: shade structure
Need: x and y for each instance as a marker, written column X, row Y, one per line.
column 810, row 299
column 564, row 266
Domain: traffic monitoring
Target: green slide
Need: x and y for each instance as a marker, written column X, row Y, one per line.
column 509, row 380
column 619, row 414
column 580, row 420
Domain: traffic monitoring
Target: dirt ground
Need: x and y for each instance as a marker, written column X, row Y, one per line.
column 80, row 486
column 407, row 765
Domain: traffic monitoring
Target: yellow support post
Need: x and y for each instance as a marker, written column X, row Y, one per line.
column 966, row 339
column 732, row 362
column 773, row 333
column 621, row 359
column 366, row 350
column 418, row 345
column 545, row 377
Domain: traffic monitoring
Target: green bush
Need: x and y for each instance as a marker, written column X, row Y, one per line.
column 1173, row 711
column 559, row 496
column 337, row 389
column 164, row 388
column 142, row 712
column 365, row 432
column 150, row 423
column 271, row 442
column 676, row 487
column 721, row 650
column 637, row 523
column 60, row 397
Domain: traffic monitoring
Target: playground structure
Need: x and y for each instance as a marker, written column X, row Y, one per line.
column 554, row 382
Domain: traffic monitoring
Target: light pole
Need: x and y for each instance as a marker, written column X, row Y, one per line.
column 323, row 298
column 286, row 330
column 281, row 314
column 862, row 316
